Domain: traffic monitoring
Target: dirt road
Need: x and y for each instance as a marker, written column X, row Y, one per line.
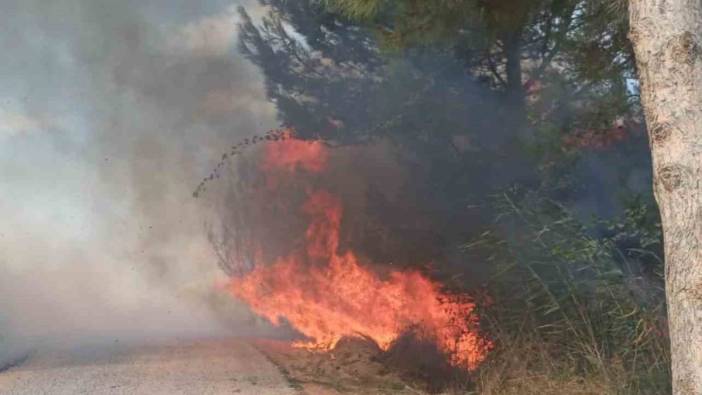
column 196, row 367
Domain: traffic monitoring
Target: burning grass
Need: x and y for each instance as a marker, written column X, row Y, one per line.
column 358, row 366
column 569, row 316
column 381, row 310
column 327, row 294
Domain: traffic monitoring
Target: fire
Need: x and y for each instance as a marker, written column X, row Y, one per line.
column 323, row 232
column 327, row 294
column 293, row 154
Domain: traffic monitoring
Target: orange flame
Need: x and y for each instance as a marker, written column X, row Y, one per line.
column 323, row 232
column 293, row 154
column 327, row 295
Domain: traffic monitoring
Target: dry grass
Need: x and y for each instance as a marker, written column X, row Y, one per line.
column 572, row 314
column 569, row 315
column 353, row 367
column 525, row 370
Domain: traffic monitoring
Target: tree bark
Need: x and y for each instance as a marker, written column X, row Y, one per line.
column 666, row 35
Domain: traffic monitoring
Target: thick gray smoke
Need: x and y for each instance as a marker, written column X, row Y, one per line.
column 110, row 114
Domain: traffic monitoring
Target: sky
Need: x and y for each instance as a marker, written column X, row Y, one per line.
column 111, row 112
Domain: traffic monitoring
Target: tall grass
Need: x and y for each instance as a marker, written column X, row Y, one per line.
column 573, row 312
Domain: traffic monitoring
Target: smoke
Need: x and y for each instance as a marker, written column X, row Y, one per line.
column 111, row 112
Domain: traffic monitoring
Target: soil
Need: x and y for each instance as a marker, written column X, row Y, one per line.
column 355, row 366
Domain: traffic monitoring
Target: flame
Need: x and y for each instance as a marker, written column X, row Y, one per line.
column 326, row 294
column 323, row 232
column 292, row 154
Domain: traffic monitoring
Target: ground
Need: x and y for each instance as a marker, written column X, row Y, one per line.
column 234, row 366
column 352, row 367
column 194, row 367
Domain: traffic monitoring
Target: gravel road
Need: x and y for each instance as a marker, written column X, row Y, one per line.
column 195, row 367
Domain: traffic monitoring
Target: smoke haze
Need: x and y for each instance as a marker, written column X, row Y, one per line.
column 110, row 114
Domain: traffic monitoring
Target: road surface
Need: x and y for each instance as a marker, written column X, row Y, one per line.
column 196, row 367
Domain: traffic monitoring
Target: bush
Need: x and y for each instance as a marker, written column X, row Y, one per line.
column 576, row 309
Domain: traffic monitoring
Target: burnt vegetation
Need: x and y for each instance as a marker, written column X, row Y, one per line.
column 524, row 174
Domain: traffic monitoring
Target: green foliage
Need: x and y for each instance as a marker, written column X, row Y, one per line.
column 357, row 9
column 574, row 300
column 410, row 22
column 574, row 303
column 640, row 222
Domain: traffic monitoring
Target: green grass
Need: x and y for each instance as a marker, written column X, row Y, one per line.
column 573, row 313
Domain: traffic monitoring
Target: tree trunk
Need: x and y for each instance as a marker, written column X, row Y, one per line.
column 666, row 35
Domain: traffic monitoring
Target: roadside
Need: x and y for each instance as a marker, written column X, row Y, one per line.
column 193, row 367
column 353, row 367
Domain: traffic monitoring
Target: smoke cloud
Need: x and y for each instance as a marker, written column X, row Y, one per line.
column 110, row 114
